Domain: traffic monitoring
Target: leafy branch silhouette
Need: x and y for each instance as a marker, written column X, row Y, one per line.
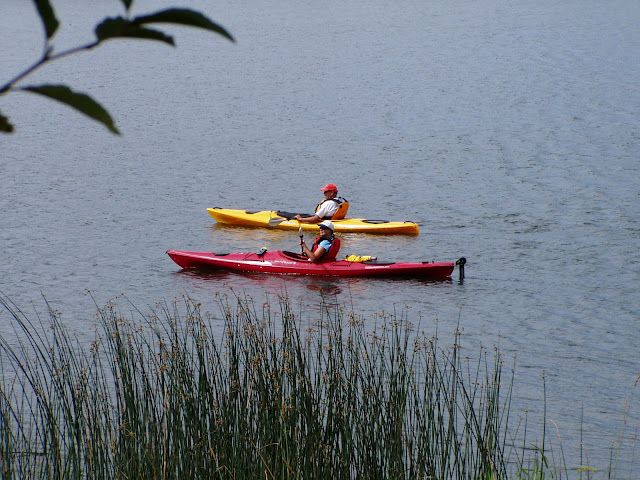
column 108, row 29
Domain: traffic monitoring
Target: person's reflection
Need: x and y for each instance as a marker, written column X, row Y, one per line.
column 325, row 288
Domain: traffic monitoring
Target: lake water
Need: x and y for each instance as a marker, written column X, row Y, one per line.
column 508, row 130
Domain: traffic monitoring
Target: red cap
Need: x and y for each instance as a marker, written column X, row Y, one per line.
column 330, row 186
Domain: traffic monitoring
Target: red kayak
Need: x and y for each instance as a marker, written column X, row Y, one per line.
column 289, row 263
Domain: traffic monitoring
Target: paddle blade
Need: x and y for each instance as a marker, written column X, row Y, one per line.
column 301, row 246
column 275, row 221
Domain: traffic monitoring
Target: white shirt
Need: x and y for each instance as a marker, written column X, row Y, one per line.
column 327, row 208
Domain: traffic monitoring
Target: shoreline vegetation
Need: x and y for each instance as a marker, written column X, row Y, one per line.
column 166, row 397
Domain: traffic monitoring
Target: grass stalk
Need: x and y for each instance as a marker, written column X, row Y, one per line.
column 168, row 396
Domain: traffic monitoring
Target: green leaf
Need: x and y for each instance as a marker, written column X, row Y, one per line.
column 122, row 28
column 48, row 17
column 81, row 102
column 182, row 16
column 5, row 125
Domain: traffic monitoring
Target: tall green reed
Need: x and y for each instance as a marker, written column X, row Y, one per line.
column 248, row 393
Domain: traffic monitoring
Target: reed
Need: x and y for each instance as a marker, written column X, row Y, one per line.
column 167, row 397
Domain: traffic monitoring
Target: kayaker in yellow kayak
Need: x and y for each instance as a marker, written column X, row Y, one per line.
column 330, row 208
column 325, row 247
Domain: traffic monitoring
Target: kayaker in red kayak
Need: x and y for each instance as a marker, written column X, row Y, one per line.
column 325, row 247
column 326, row 210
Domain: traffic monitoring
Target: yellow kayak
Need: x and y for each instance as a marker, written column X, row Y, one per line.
column 271, row 219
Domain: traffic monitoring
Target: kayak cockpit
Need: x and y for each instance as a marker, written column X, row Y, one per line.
column 295, row 256
column 303, row 258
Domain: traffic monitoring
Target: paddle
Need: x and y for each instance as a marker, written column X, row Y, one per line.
column 275, row 221
column 301, row 237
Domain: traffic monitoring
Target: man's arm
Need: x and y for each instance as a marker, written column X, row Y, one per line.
column 312, row 219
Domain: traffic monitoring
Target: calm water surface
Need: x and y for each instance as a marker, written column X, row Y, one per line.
column 508, row 131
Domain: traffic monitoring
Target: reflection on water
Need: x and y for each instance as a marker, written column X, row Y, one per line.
column 300, row 285
column 250, row 239
column 282, row 285
column 365, row 297
column 324, row 288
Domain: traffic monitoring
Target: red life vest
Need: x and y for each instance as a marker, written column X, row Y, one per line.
column 333, row 249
